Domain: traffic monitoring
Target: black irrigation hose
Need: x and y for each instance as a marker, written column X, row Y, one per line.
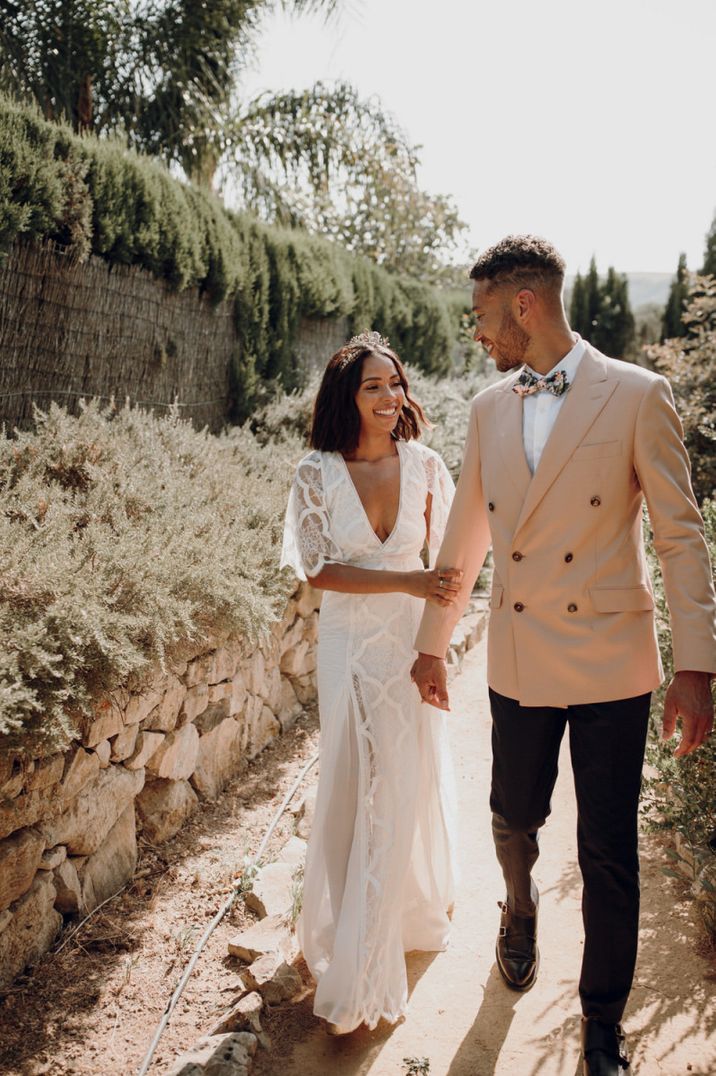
column 171, row 1004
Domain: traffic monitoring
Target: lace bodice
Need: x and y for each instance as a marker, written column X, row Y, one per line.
column 326, row 521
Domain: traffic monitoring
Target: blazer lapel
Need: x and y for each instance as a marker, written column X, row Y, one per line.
column 585, row 399
column 507, row 415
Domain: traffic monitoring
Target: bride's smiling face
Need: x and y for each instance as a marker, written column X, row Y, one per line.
column 380, row 396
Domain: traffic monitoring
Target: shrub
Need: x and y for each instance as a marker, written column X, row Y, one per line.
column 690, row 364
column 122, row 537
column 40, row 180
column 681, row 796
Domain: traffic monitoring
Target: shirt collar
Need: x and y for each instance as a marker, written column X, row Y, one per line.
column 569, row 363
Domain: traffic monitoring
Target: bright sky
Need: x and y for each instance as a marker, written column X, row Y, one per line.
column 591, row 123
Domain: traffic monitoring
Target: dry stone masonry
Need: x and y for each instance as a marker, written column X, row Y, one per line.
column 69, row 823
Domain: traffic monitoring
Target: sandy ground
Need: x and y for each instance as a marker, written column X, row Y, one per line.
column 93, row 1008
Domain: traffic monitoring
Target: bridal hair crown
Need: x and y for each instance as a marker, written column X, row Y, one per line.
column 367, row 340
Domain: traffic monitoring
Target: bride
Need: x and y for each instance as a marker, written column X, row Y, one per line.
column 379, row 874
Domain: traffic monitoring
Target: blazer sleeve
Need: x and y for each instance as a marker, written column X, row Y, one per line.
column 465, row 545
column 664, row 474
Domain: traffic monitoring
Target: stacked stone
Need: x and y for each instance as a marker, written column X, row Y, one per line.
column 68, row 824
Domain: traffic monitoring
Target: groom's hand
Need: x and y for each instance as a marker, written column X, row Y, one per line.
column 688, row 697
column 430, row 675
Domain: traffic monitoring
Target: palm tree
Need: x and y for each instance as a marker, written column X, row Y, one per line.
column 164, row 75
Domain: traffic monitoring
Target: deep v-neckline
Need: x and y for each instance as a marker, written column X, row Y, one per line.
column 381, row 541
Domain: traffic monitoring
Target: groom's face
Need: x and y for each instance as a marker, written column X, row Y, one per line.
column 497, row 328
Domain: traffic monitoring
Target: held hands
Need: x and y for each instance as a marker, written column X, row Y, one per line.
column 688, row 696
column 437, row 585
column 429, row 674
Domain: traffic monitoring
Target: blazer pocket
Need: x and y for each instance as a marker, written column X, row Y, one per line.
column 621, row 599
column 599, row 450
column 496, row 597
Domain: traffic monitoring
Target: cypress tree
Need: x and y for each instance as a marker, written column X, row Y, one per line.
column 578, row 306
column 614, row 329
column 709, row 265
column 593, row 300
column 671, row 323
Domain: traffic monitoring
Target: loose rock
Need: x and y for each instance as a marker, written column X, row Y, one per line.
column 273, row 978
column 269, row 935
column 245, row 1015
column 218, row 1055
column 272, row 892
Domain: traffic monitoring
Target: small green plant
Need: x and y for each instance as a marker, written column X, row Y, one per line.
column 184, row 936
column 417, row 1066
column 296, row 893
column 246, row 877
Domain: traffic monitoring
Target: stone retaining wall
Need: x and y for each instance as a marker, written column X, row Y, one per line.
column 69, row 823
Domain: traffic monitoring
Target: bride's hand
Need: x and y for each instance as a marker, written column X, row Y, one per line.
column 437, row 585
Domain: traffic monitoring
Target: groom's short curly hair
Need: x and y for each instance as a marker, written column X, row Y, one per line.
column 526, row 261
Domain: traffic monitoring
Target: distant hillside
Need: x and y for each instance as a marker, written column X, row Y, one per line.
column 644, row 288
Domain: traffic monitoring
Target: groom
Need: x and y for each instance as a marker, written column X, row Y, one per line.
column 559, row 458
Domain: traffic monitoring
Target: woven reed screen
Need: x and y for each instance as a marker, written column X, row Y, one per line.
column 70, row 330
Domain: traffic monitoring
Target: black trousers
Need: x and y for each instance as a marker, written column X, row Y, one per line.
column 607, row 742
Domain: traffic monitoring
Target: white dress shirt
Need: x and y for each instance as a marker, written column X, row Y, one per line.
column 540, row 410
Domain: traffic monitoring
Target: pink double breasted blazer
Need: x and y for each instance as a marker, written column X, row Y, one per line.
column 572, row 606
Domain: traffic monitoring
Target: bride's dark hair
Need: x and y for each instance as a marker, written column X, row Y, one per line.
column 336, row 421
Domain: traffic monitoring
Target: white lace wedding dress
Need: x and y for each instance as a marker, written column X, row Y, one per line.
column 380, row 871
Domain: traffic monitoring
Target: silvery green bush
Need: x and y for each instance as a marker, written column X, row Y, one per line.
column 123, row 537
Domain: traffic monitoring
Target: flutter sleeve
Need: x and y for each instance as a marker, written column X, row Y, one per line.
column 442, row 488
column 307, row 541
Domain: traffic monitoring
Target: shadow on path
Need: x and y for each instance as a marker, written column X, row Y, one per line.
column 482, row 1045
column 300, row 1043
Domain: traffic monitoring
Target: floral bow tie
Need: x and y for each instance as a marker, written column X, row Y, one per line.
column 528, row 383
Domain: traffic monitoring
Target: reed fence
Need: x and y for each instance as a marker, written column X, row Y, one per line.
column 71, row 330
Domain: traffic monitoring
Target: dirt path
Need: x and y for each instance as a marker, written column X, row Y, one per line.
column 461, row 1016
column 92, row 1009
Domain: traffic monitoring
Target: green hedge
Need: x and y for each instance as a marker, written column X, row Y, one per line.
column 96, row 196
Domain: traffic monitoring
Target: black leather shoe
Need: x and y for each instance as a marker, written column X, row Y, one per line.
column 516, row 950
column 603, row 1049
